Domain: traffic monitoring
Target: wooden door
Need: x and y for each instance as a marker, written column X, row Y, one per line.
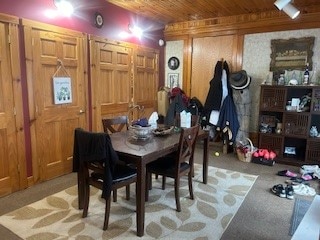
column 12, row 153
column 111, row 77
column 122, row 77
column 146, row 78
column 206, row 52
column 54, row 52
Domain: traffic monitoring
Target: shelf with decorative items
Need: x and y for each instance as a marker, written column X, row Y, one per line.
column 289, row 121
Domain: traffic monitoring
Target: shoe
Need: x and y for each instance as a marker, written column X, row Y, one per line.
column 287, row 173
column 306, row 177
column 289, row 192
column 304, row 190
column 279, row 190
column 308, row 169
column 316, row 174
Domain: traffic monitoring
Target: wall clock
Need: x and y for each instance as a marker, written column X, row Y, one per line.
column 173, row 63
column 98, row 20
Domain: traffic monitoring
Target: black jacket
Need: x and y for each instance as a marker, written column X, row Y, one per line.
column 90, row 146
column 214, row 97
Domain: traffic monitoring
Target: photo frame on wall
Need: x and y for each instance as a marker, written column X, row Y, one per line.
column 291, row 54
column 62, row 90
column 173, row 80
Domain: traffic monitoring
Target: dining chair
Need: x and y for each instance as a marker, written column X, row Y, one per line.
column 116, row 124
column 176, row 165
column 194, row 121
column 98, row 165
column 113, row 125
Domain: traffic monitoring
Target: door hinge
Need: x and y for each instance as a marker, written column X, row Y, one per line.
column 9, row 39
column 14, row 111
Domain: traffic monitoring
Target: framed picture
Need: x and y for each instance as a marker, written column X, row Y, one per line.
column 62, row 90
column 291, row 54
column 173, row 80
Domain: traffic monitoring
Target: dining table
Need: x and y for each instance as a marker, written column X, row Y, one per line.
column 141, row 152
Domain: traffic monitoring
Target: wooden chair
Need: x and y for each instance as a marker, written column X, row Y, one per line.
column 117, row 124
column 112, row 125
column 178, row 164
column 194, row 122
column 97, row 165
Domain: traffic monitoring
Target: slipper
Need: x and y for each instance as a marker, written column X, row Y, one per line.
column 296, row 181
column 306, row 177
column 287, row 173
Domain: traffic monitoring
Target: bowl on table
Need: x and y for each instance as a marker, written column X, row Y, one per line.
column 140, row 133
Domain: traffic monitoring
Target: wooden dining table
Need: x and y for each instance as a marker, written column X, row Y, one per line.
column 142, row 152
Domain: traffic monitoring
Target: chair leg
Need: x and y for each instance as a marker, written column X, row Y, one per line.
column 177, row 194
column 115, row 195
column 106, row 214
column 86, row 198
column 148, row 182
column 163, row 182
column 190, row 185
column 128, row 192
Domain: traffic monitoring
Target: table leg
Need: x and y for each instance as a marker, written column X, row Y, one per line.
column 140, row 193
column 205, row 159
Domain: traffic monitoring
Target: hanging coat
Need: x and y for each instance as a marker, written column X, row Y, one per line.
column 228, row 121
column 216, row 93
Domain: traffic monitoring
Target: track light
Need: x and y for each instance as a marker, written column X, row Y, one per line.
column 291, row 11
column 281, row 3
column 287, row 7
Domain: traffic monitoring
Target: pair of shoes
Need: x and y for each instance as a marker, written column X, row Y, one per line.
column 304, row 169
column 287, row 173
column 279, row 190
column 304, row 190
column 289, row 192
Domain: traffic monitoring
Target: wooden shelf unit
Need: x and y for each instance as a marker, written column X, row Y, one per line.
column 293, row 145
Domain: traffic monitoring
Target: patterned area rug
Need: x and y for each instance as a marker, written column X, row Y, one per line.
column 205, row 217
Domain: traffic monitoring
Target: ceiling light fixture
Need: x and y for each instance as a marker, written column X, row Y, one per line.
column 287, row 7
column 136, row 31
column 64, row 7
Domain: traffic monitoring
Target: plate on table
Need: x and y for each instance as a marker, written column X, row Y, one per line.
column 162, row 131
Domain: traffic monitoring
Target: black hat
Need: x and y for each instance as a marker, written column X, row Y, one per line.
column 239, row 80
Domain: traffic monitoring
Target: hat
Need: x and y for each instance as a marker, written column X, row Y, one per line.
column 239, row 80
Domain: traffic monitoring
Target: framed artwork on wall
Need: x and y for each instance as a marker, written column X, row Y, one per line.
column 291, row 54
column 173, row 80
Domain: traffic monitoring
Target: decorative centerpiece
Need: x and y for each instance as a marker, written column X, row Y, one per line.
column 140, row 129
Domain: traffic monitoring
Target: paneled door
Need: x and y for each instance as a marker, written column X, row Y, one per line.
column 54, row 52
column 206, row 51
column 12, row 146
column 111, row 77
column 123, row 76
column 146, row 79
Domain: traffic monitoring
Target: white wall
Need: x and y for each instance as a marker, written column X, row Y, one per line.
column 256, row 61
column 174, row 49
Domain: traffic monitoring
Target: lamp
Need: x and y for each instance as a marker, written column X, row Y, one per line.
column 64, row 7
column 287, row 7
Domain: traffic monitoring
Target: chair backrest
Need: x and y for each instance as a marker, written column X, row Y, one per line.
column 194, row 120
column 92, row 150
column 117, row 124
column 187, row 143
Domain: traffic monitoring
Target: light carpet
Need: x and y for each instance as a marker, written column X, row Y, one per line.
column 205, row 217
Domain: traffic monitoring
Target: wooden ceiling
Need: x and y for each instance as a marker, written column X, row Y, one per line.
column 173, row 11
